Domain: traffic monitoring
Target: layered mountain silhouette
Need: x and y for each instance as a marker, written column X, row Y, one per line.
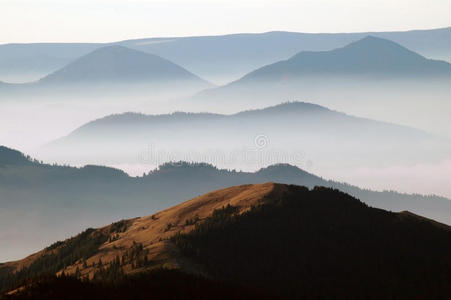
column 215, row 58
column 370, row 56
column 118, row 64
column 370, row 72
column 42, row 203
column 11, row 157
column 272, row 239
column 112, row 73
column 294, row 114
column 21, row 63
column 291, row 128
column 259, row 223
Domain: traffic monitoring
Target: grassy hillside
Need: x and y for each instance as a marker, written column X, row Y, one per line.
column 279, row 240
column 44, row 203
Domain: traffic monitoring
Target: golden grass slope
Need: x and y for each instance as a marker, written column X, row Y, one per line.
column 154, row 231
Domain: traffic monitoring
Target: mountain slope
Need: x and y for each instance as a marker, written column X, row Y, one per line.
column 150, row 231
column 292, row 129
column 226, row 58
column 362, row 78
column 118, row 64
column 11, row 157
column 29, row 62
column 370, row 56
column 294, row 118
column 294, row 114
column 235, row 235
column 41, row 203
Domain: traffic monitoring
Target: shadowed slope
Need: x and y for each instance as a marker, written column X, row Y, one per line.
column 11, row 157
column 269, row 237
column 41, row 203
column 151, row 231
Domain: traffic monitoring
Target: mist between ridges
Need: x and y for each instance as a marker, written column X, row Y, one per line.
column 255, row 157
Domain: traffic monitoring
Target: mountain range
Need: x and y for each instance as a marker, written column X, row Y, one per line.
column 371, row 72
column 111, row 70
column 294, row 131
column 362, row 78
column 370, row 56
column 269, row 239
column 216, row 58
column 228, row 205
column 41, row 203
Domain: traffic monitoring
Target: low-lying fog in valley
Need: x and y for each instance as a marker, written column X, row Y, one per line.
column 238, row 149
column 360, row 110
column 43, row 121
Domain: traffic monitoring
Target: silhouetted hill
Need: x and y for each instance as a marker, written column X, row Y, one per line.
column 49, row 202
column 367, row 76
column 118, row 64
column 105, row 173
column 157, row 284
column 290, row 116
column 219, row 59
column 30, row 62
column 290, row 128
column 129, row 120
column 226, row 58
column 370, row 56
column 11, row 157
column 322, row 244
column 284, row 241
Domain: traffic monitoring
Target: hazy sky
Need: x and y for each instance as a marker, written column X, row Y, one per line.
column 110, row 20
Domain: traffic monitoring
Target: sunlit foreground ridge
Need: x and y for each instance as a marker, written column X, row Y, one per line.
column 263, row 239
column 42, row 203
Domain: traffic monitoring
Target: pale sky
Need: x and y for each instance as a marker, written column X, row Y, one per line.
column 112, row 20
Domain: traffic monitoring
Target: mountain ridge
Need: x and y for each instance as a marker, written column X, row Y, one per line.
column 290, row 108
column 119, row 64
column 369, row 56
column 11, row 157
column 76, row 198
column 245, row 52
column 170, row 239
column 289, row 130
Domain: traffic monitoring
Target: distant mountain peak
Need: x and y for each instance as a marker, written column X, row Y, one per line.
column 182, row 166
column 379, row 46
column 365, row 55
column 374, row 39
column 102, row 172
column 117, row 63
column 280, row 167
column 113, row 48
column 294, row 106
column 370, row 56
